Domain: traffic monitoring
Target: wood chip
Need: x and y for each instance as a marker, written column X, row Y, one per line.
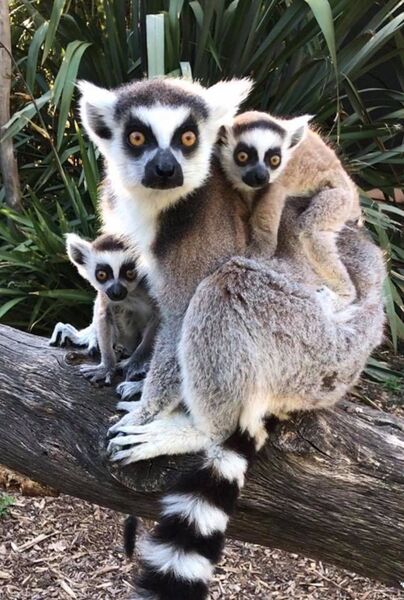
column 67, row 589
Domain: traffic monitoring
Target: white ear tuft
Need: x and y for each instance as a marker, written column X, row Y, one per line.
column 96, row 110
column 297, row 129
column 225, row 97
column 78, row 250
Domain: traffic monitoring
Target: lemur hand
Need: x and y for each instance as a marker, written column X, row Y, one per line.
column 128, row 389
column 98, row 374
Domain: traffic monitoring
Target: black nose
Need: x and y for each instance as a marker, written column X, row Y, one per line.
column 117, row 292
column 256, row 177
column 165, row 168
column 163, row 171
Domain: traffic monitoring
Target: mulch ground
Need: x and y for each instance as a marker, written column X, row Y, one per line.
column 64, row 548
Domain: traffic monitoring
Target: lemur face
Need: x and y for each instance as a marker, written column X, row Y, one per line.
column 157, row 136
column 108, row 264
column 257, row 147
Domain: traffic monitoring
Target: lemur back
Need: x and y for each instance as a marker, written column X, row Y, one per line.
column 268, row 159
column 122, row 308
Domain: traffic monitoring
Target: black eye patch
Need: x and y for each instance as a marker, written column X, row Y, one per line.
column 128, row 271
column 102, row 268
column 271, row 153
column 189, row 125
column 136, row 125
column 249, row 150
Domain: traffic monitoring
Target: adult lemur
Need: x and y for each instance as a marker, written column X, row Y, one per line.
column 268, row 159
column 255, row 340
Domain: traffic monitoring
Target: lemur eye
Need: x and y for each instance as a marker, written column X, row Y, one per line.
column 242, row 156
column 101, row 275
column 188, row 138
column 130, row 274
column 136, row 138
column 275, row 160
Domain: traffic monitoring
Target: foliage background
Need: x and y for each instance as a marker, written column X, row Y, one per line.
column 340, row 60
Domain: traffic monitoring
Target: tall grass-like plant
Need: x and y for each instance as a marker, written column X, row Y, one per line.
column 340, row 60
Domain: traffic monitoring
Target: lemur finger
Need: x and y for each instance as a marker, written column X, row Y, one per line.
column 119, row 441
column 140, row 429
column 127, row 406
column 135, row 454
column 127, row 389
column 128, row 419
column 123, row 455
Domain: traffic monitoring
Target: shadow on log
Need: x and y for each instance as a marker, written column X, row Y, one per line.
column 329, row 485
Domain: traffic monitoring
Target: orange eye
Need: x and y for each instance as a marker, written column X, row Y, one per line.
column 130, row 274
column 101, row 275
column 188, row 139
column 242, row 156
column 136, row 138
column 275, row 160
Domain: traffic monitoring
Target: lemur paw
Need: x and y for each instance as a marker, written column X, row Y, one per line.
column 138, row 442
column 62, row 335
column 98, row 374
column 132, row 371
column 134, row 416
column 128, row 389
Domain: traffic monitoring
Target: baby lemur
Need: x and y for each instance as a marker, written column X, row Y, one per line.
column 122, row 309
column 268, row 159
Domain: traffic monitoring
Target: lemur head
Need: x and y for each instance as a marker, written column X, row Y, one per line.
column 108, row 263
column 257, row 146
column 158, row 135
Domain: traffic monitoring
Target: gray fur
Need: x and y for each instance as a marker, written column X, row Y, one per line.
column 116, row 324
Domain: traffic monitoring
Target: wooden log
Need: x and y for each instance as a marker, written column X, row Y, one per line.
column 329, row 485
column 8, row 162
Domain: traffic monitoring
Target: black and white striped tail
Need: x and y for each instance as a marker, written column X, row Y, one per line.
column 179, row 557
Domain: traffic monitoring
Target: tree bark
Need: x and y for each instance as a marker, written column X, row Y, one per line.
column 8, row 162
column 329, row 485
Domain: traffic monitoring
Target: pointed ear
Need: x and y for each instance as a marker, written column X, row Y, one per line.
column 78, row 250
column 222, row 136
column 297, row 129
column 96, row 110
column 225, row 97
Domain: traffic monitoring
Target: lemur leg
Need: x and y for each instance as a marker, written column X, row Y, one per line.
column 320, row 223
column 139, row 360
column 105, row 370
column 161, row 389
column 264, row 222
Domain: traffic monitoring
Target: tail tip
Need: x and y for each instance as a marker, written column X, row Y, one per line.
column 129, row 535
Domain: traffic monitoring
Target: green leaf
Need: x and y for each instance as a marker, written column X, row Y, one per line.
column 32, row 61
column 68, row 86
column 7, row 306
column 57, row 10
column 22, row 117
column 155, row 45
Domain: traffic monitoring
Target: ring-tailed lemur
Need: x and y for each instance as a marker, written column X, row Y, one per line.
column 157, row 138
column 267, row 159
column 122, row 309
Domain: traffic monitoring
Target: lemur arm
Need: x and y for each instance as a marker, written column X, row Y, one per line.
column 104, row 323
column 264, row 222
column 140, row 358
column 320, row 223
